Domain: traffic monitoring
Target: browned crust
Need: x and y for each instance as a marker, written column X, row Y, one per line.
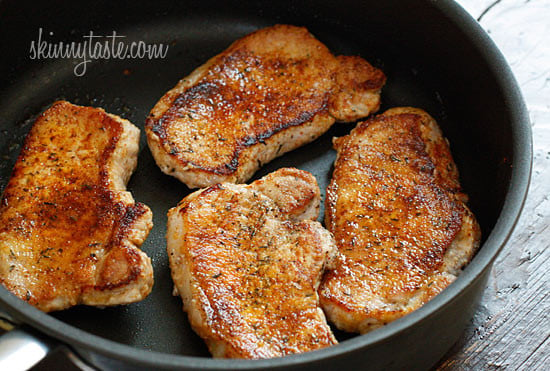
column 246, row 273
column 257, row 81
column 394, row 206
column 111, row 277
column 159, row 127
column 60, row 208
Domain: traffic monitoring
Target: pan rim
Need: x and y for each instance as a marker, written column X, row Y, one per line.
column 508, row 217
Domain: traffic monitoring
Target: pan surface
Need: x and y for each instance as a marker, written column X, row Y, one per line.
column 457, row 75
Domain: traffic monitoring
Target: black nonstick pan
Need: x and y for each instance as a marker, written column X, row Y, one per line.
column 435, row 56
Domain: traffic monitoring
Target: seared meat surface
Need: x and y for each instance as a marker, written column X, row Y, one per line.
column 69, row 231
column 247, row 261
column 268, row 93
column 399, row 220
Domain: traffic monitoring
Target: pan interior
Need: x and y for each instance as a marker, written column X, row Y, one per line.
column 130, row 88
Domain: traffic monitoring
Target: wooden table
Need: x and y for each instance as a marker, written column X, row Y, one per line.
column 511, row 328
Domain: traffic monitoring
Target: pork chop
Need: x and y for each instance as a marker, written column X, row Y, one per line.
column 69, row 231
column 268, row 93
column 247, row 261
column 399, row 220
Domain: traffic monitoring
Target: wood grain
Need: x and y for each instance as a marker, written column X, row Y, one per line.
column 511, row 328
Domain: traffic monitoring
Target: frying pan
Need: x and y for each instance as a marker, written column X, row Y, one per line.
column 436, row 57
